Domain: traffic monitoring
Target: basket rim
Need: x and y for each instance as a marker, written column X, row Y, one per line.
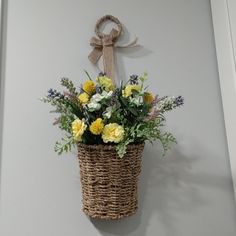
column 108, row 146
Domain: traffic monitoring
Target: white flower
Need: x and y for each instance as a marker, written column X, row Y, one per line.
column 106, row 94
column 137, row 100
column 96, row 97
column 107, row 113
column 94, row 106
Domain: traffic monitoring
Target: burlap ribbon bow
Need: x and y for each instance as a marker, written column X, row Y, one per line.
column 104, row 45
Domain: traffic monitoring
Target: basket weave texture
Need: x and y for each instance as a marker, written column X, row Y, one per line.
column 109, row 183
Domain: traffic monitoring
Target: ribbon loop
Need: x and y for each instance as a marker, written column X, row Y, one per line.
column 94, row 42
column 115, row 34
column 104, row 45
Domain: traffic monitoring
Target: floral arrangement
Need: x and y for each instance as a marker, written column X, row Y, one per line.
column 101, row 113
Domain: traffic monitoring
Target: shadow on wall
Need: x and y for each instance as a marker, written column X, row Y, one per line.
column 130, row 52
column 168, row 187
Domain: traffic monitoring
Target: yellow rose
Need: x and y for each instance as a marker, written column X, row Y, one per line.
column 113, row 133
column 89, row 87
column 106, row 83
column 128, row 90
column 148, row 98
column 78, row 128
column 96, row 126
column 83, row 98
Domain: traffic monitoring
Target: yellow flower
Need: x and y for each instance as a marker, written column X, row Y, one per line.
column 78, row 128
column 113, row 133
column 128, row 90
column 96, row 126
column 148, row 98
column 106, row 83
column 83, row 98
column 89, row 87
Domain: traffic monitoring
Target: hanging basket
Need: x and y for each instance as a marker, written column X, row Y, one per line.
column 109, row 183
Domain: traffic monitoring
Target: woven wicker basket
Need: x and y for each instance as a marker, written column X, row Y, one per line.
column 109, row 183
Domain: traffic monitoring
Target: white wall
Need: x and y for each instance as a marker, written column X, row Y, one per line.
column 187, row 193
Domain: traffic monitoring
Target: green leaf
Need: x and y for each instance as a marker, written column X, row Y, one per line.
column 133, row 111
column 89, row 77
column 64, row 145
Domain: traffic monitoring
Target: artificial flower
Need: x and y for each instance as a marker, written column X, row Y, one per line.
column 108, row 112
column 83, row 98
column 113, row 133
column 137, row 100
column 148, row 97
column 106, row 94
column 129, row 88
column 89, row 87
column 96, row 97
column 94, row 106
column 96, row 126
column 78, row 128
column 119, row 115
column 99, row 97
column 106, row 83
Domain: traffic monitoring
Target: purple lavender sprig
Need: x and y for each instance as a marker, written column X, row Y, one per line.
column 134, row 79
column 114, row 97
column 53, row 93
column 152, row 115
column 179, row 101
column 100, row 74
column 98, row 89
